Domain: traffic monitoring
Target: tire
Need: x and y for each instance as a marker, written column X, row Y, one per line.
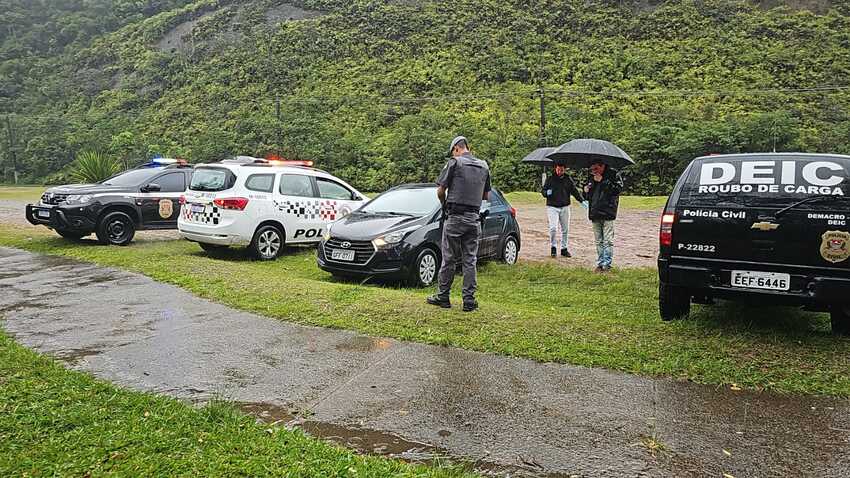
column 71, row 235
column 673, row 302
column 424, row 269
column 267, row 243
column 116, row 229
column 510, row 251
column 211, row 247
column 840, row 319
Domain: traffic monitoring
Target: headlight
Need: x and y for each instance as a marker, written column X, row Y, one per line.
column 327, row 234
column 390, row 239
column 77, row 199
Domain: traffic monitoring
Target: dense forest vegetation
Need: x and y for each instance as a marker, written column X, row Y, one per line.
column 374, row 90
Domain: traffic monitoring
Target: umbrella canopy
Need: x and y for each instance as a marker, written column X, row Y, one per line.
column 581, row 153
column 538, row 157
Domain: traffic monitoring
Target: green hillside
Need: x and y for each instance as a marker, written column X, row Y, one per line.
column 374, row 90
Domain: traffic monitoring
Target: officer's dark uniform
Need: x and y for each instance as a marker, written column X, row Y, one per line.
column 467, row 179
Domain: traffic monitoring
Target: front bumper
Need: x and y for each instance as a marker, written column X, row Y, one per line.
column 66, row 218
column 809, row 285
column 385, row 262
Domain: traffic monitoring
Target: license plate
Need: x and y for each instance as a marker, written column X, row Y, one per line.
column 761, row 280
column 342, row 255
column 197, row 208
column 43, row 213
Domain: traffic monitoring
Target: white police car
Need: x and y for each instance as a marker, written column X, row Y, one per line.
column 262, row 204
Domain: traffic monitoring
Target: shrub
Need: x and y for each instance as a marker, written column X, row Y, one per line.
column 94, row 167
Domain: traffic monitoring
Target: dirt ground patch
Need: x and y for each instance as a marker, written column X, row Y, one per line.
column 635, row 237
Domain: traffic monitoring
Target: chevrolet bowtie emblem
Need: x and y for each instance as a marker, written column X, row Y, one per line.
column 765, row 226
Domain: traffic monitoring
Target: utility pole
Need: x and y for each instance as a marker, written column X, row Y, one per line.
column 12, row 148
column 542, row 135
column 277, row 114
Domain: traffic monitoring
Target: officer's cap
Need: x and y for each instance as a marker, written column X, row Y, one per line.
column 455, row 142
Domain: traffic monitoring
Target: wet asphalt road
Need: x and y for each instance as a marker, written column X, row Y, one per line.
column 554, row 420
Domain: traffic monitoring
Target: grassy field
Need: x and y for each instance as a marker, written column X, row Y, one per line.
column 21, row 193
column 525, row 198
column 544, row 312
column 55, row 422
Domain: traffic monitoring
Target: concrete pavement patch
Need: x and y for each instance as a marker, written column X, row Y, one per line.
column 540, row 419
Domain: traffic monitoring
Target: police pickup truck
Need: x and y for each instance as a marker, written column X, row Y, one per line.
column 147, row 197
column 768, row 227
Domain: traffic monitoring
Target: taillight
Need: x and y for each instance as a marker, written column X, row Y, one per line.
column 182, row 199
column 666, row 234
column 237, row 204
column 513, row 211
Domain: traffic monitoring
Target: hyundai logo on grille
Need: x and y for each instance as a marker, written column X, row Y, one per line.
column 345, row 245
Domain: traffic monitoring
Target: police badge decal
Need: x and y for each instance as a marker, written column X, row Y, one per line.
column 166, row 208
column 835, row 247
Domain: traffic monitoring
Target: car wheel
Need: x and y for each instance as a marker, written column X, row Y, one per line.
column 267, row 243
column 211, row 247
column 673, row 302
column 510, row 252
column 840, row 319
column 71, row 235
column 116, row 228
column 425, row 268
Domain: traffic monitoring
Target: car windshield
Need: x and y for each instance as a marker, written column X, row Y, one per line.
column 414, row 202
column 778, row 181
column 134, row 177
column 209, row 179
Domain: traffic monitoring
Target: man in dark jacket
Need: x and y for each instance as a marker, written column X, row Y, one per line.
column 557, row 190
column 603, row 192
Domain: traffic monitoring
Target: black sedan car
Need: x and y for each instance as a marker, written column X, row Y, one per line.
column 397, row 235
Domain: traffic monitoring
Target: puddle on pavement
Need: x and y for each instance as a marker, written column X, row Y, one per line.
column 53, row 261
column 75, row 356
column 373, row 442
column 364, row 344
column 24, row 304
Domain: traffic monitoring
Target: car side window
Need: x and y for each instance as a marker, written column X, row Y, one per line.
column 331, row 190
column 260, row 182
column 496, row 200
column 171, row 182
column 296, row 185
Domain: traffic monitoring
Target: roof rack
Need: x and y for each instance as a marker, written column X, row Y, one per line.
column 244, row 160
column 310, row 168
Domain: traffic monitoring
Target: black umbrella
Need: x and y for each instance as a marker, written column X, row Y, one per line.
column 538, row 157
column 581, row 153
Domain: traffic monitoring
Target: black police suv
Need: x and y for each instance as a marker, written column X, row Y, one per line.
column 147, row 197
column 769, row 227
column 397, row 235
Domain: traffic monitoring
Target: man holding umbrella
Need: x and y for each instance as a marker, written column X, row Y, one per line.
column 602, row 190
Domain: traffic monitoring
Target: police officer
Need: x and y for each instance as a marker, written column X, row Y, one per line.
column 467, row 180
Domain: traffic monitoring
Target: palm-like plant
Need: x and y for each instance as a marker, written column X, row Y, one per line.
column 94, row 167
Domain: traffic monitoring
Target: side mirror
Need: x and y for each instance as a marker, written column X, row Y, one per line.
column 484, row 213
column 151, row 188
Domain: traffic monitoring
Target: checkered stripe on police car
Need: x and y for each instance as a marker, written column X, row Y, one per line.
column 208, row 216
column 309, row 209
